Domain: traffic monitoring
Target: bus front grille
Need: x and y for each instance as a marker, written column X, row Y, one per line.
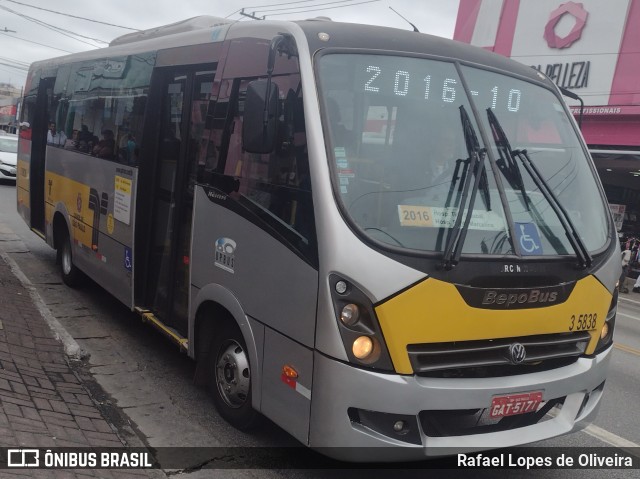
column 494, row 357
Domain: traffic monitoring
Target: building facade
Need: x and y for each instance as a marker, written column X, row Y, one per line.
column 591, row 48
column 9, row 100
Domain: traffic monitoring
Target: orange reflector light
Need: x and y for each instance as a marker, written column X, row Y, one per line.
column 289, row 372
column 605, row 331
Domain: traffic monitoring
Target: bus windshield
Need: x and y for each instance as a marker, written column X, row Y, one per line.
column 403, row 141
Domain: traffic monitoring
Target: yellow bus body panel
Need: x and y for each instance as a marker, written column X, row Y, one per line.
column 75, row 197
column 22, row 178
column 22, row 185
column 433, row 311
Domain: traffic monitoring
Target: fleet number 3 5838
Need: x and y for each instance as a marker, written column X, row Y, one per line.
column 583, row 322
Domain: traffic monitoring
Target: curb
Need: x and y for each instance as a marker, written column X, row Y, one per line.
column 74, row 352
column 71, row 348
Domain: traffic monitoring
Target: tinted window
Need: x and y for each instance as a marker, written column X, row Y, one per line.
column 103, row 105
column 273, row 189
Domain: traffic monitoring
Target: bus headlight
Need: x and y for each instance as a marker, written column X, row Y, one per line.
column 350, row 314
column 358, row 325
column 362, row 347
column 366, row 349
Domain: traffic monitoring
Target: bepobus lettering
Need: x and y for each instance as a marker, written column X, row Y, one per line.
column 534, row 296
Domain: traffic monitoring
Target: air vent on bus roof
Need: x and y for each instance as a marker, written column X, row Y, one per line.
column 188, row 25
column 319, row 19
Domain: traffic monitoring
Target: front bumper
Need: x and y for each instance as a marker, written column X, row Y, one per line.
column 352, row 409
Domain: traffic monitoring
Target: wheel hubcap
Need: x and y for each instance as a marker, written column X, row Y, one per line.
column 233, row 377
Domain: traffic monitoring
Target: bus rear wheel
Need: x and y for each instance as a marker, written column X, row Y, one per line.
column 230, row 384
column 70, row 274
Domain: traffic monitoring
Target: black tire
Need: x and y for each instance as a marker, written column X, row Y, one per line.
column 230, row 377
column 71, row 275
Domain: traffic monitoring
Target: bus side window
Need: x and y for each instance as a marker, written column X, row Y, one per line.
column 106, row 109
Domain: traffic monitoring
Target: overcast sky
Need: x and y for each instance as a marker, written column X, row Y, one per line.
column 38, row 37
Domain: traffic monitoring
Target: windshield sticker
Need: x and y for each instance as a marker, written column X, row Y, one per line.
column 529, row 239
column 341, row 157
column 346, row 173
column 438, row 217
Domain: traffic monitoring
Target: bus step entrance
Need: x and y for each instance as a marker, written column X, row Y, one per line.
column 148, row 317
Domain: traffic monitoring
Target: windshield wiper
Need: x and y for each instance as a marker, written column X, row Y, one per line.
column 458, row 234
column 507, row 163
column 473, row 145
column 512, row 172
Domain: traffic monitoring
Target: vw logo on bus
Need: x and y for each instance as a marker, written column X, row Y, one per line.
column 517, row 352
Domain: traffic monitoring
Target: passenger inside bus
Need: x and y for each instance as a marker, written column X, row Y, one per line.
column 132, row 150
column 55, row 137
column 72, row 143
column 105, row 147
column 85, row 138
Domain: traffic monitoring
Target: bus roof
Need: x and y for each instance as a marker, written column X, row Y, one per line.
column 188, row 25
column 391, row 40
column 209, row 29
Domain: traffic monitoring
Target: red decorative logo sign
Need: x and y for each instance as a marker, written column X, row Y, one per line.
column 577, row 11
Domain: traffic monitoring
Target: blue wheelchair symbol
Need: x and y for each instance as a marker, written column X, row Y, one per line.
column 128, row 259
column 529, row 239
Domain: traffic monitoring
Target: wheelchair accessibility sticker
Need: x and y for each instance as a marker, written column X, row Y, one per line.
column 128, row 262
column 529, row 239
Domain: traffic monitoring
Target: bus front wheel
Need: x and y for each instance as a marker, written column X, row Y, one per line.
column 70, row 274
column 230, row 384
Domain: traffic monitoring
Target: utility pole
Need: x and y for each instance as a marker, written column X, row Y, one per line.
column 250, row 15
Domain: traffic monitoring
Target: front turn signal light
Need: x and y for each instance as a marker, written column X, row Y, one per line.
column 605, row 331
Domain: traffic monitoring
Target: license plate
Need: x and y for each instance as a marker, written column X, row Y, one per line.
column 513, row 404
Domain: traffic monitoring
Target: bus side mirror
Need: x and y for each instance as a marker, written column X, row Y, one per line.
column 260, row 120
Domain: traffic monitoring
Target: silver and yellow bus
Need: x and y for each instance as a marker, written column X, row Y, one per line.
column 373, row 237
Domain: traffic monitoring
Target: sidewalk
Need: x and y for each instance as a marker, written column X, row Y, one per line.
column 43, row 403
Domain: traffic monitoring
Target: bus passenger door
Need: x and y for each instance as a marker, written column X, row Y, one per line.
column 39, row 130
column 184, row 101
